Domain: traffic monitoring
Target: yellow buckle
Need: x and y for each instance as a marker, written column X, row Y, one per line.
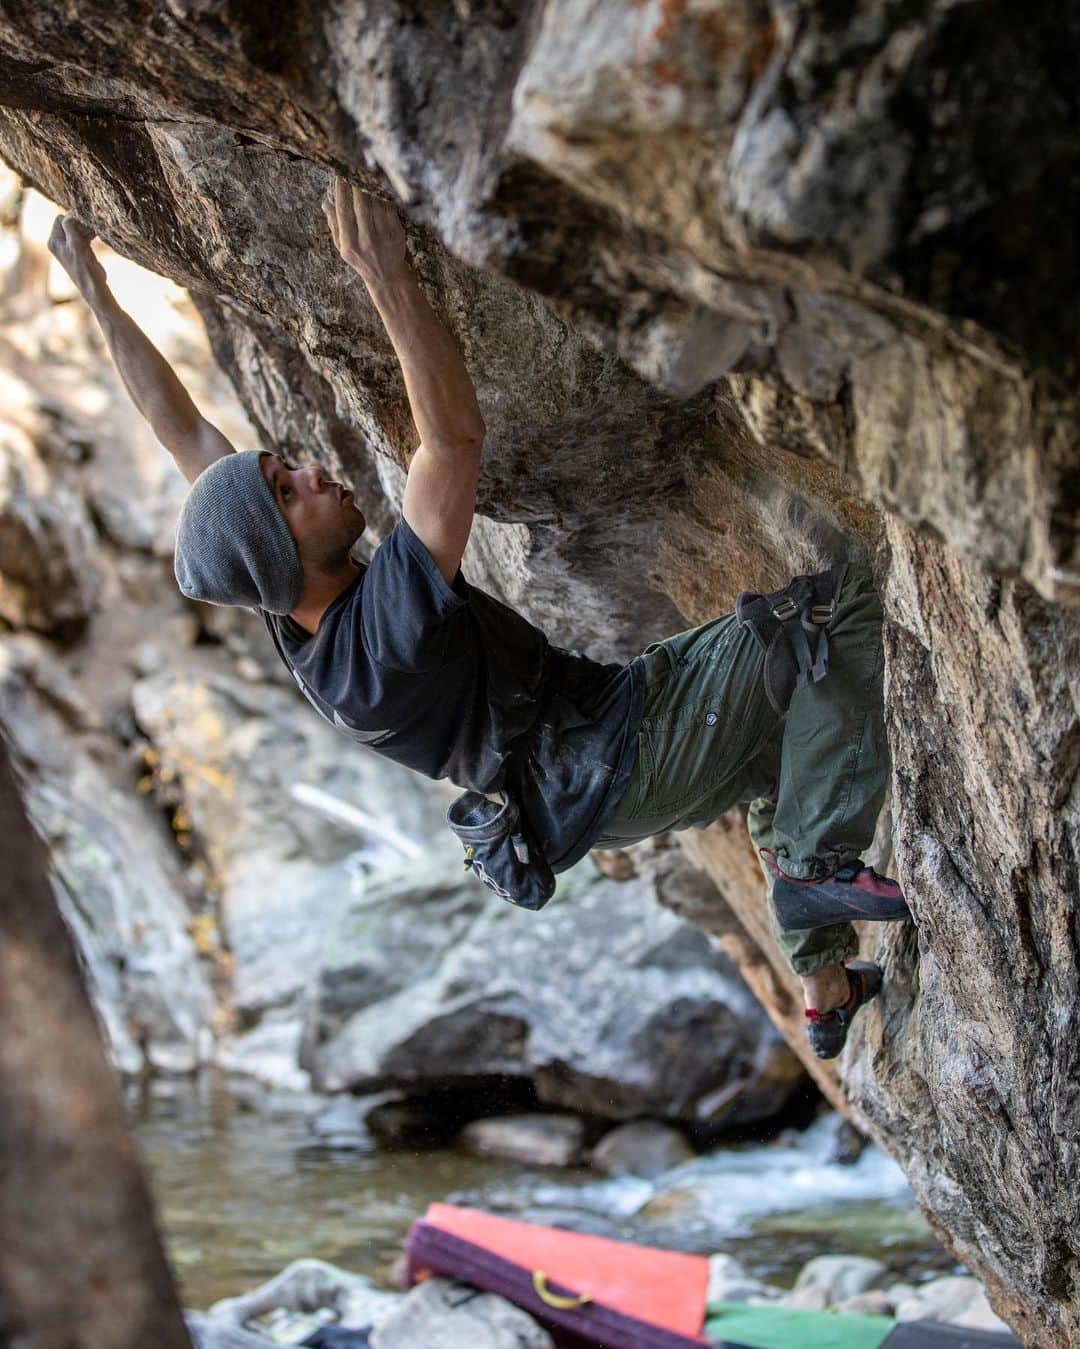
column 563, row 1304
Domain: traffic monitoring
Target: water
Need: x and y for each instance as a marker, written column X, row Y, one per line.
column 241, row 1193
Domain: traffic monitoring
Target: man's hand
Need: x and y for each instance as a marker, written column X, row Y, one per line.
column 152, row 383
column 366, row 232
column 69, row 243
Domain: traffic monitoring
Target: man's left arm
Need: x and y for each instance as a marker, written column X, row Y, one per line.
column 440, row 493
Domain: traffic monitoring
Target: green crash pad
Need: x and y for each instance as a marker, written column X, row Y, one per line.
column 738, row 1326
column 788, row 1328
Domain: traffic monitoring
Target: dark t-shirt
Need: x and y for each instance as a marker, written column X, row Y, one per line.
column 450, row 682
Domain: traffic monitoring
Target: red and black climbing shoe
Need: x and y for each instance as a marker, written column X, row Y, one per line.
column 853, row 893
column 828, row 1031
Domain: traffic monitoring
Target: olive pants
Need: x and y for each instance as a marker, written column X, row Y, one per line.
column 815, row 782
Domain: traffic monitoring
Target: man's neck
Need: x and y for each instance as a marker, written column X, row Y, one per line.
column 320, row 591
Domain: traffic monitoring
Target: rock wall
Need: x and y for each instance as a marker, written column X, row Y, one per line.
column 740, row 285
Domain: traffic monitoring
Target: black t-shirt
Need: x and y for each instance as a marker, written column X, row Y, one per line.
column 450, row 682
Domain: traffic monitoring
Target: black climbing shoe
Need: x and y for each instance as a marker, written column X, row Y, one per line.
column 827, row 1031
column 854, row 893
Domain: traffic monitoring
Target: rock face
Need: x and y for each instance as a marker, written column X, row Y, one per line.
column 740, row 285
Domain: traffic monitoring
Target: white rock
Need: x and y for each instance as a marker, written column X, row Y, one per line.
column 958, row 1299
column 439, row 1314
column 874, row 1302
column 807, row 1299
column 645, row 1148
column 537, row 1140
column 840, row 1276
column 310, row 1286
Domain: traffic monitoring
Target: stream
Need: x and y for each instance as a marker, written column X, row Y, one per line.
column 241, row 1192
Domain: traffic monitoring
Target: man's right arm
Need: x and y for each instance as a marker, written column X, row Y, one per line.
column 149, row 379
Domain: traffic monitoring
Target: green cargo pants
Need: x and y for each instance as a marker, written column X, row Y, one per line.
column 814, row 783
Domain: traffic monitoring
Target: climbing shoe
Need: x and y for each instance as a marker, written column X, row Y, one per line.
column 827, row 1031
column 853, row 893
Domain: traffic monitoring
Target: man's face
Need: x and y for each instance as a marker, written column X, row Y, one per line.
column 321, row 515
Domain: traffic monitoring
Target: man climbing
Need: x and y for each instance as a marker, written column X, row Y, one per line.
column 780, row 708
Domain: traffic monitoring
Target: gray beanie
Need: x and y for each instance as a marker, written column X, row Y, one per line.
column 232, row 543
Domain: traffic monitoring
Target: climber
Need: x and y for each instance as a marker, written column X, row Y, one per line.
column 780, row 709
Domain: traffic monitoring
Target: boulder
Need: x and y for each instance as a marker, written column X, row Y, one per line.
column 440, row 1314
column 235, row 757
column 874, row 1302
column 535, row 1140
column 729, row 1282
column 115, row 873
column 958, row 1299
column 341, row 1126
column 310, row 1286
column 608, row 1003
column 206, row 1333
column 644, row 1148
column 839, row 1277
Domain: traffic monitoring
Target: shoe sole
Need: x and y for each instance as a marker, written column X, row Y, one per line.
column 805, row 907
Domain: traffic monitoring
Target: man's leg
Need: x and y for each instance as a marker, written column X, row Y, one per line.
column 705, row 726
column 832, row 782
column 817, row 955
column 835, row 760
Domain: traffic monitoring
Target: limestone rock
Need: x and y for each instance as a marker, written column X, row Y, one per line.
column 49, row 578
column 442, row 1315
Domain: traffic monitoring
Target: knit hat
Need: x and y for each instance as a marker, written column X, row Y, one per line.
column 232, row 543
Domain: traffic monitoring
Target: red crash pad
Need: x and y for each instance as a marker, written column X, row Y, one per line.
column 665, row 1288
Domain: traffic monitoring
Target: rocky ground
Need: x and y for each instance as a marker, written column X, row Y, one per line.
column 435, row 1313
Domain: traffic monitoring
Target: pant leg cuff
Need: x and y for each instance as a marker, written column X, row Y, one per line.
column 845, row 948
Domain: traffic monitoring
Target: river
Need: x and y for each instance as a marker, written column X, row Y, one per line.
column 241, row 1192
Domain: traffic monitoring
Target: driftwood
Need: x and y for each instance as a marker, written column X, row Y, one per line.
column 81, row 1263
